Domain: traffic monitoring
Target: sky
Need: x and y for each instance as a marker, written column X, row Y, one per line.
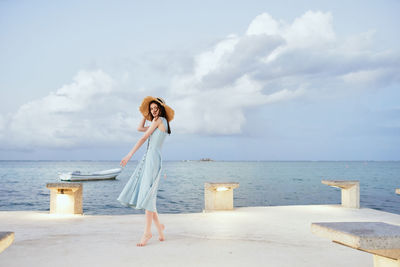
column 248, row 80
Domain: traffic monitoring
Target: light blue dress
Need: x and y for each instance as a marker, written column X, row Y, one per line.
column 140, row 192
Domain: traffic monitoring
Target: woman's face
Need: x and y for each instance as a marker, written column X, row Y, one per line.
column 155, row 111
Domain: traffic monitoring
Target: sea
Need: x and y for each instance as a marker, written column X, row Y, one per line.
column 181, row 189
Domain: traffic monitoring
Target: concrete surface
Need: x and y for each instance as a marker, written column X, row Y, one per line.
column 258, row 236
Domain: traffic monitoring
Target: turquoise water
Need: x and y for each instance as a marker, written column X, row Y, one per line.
column 23, row 184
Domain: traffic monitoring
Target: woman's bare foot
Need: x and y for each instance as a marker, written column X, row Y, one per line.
column 161, row 233
column 143, row 241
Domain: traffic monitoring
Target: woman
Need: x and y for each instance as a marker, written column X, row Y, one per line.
column 140, row 192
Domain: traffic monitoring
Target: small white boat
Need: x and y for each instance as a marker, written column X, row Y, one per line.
column 94, row 176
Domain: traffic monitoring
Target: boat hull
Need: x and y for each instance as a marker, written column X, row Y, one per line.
column 78, row 179
column 103, row 175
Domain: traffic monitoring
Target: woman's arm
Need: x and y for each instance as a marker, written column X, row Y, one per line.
column 141, row 127
column 140, row 142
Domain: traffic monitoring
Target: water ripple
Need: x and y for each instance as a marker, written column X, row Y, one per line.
column 23, row 184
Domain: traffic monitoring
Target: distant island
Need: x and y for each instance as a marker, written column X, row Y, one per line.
column 202, row 159
column 206, row 159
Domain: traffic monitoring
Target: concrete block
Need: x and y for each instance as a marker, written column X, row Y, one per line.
column 65, row 198
column 350, row 192
column 6, row 239
column 219, row 196
column 378, row 238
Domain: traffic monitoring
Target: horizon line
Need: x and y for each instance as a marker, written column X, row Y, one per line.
column 199, row 160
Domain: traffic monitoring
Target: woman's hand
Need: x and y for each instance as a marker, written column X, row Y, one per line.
column 149, row 131
column 125, row 160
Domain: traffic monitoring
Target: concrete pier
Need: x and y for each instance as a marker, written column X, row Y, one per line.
column 273, row 236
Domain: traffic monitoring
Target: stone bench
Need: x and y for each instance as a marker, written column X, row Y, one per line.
column 6, row 239
column 378, row 238
column 219, row 196
column 350, row 192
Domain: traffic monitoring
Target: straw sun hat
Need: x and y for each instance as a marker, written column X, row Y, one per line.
column 144, row 108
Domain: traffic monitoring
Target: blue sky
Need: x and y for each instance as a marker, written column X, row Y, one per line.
column 254, row 80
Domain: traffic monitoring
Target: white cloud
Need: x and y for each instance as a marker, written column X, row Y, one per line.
column 88, row 111
column 274, row 61
column 222, row 110
column 212, row 60
column 311, row 29
column 364, row 76
column 264, row 24
column 372, row 78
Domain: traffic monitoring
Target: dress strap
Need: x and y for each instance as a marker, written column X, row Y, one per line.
column 164, row 120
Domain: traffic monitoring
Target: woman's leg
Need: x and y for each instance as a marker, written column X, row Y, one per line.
column 147, row 230
column 160, row 226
